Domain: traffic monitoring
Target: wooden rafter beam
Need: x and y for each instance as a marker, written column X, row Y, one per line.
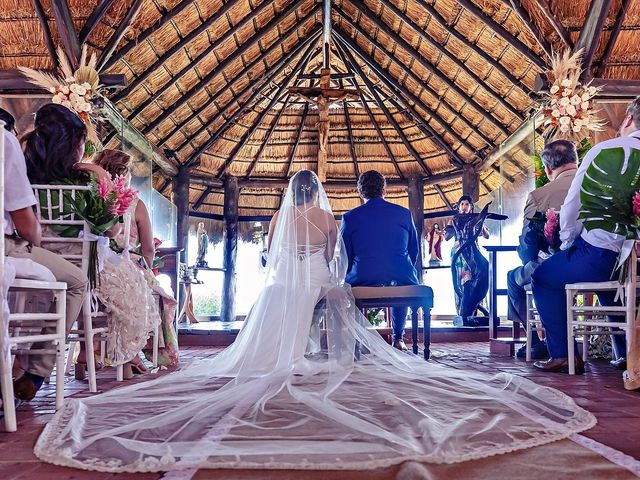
column 372, row 118
column 117, row 36
column 280, row 91
column 503, row 174
column 525, row 18
column 590, row 35
column 443, row 196
column 294, row 147
column 46, row 31
column 352, row 147
column 183, row 43
column 420, row 32
column 95, row 17
column 279, row 66
column 613, row 36
column 197, row 88
column 411, row 74
column 263, row 145
column 545, row 8
column 332, row 185
column 146, row 34
column 617, row 88
column 372, row 90
column 388, row 31
column 66, row 30
column 272, row 74
column 503, row 32
column 165, row 185
column 13, row 81
column 203, row 196
column 399, row 91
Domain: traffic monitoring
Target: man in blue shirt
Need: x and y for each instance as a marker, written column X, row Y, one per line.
column 382, row 245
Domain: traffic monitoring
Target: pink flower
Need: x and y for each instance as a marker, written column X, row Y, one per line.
column 124, row 198
column 551, row 226
column 636, row 204
column 103, row 188
column 157, row 242
column 120, row 184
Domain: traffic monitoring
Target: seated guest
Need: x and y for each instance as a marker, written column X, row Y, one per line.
column 560, row 161
column 587, row 256
column 53, row 151
column 22, row 239
column 382, row 245
column 118, row 163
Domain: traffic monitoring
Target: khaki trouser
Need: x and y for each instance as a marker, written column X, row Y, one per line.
column 64, row 271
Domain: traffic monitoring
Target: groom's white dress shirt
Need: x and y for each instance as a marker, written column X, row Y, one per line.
column 570, row 226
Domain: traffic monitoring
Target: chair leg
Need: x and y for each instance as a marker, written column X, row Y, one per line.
column 60, row 347
column 529, row 329
column 120, row 373
column 156, row 345
column 585, row 344
column 70, row 355
column 426, row 329
column 87, row 319
column 6, row 383
column 570, row 347
column 414, row 329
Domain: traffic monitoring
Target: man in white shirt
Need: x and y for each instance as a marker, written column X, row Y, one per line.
column 587, row 256
column 22, row 239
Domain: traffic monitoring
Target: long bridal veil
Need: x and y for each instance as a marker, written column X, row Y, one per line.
column 307, row 385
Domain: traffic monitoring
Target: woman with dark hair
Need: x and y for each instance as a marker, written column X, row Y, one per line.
column 53, row 151
column 469, row 268
column 55, row 145
column 118, row 163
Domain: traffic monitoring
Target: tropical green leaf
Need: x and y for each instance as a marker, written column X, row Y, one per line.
column 607, row 191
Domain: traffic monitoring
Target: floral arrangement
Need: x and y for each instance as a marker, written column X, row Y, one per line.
column 546, row 226
column 78, row 90
column 102, row 207
column 568, row 106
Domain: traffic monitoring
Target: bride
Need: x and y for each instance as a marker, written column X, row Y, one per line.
column 285, row 396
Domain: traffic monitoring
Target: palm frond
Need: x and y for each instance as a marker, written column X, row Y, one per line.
column 93, row 61
column 42, row 79
column 83, row 55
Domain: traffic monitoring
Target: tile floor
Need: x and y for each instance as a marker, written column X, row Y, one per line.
column 599, row 391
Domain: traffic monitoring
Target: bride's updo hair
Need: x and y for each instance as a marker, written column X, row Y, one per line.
column 116, row 162
column 304, row 187
column 55, row 145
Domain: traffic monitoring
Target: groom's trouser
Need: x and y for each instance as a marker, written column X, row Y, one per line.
column 581, row 262
column 398, row 319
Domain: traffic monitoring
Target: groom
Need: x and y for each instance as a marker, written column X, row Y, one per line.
column 382, row 245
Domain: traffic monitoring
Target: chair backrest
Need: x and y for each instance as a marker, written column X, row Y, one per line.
column 51, row 212
column 631, row 280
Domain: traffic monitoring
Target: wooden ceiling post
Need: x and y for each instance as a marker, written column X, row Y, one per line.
column 415, row 191
column 471, row 182
column 181, row 201
column 42, row 18
column 230, row 248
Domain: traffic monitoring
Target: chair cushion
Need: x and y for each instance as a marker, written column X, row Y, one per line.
column 416, row 291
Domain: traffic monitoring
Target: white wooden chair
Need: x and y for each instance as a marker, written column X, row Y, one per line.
column 582, row 318
column 49, row 210
column 534, row 324
column 19, row 329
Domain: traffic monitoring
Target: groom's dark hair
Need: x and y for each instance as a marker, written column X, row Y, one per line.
column 371, row 184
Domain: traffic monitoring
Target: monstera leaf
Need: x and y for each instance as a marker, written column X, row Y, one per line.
column 607, row 193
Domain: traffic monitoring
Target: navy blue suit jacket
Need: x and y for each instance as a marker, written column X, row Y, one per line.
column 381, row 243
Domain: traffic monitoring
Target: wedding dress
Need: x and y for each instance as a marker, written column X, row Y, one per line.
column 269, row 401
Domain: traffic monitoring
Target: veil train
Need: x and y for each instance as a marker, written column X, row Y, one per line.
column 278, row 398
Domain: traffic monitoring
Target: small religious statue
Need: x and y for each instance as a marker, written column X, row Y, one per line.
column 469, row 268
column 203, row 246
column 436, row 235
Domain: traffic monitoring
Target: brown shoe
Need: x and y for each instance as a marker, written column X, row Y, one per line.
column 559, row 365
column 399, row 344
column 24, row 389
